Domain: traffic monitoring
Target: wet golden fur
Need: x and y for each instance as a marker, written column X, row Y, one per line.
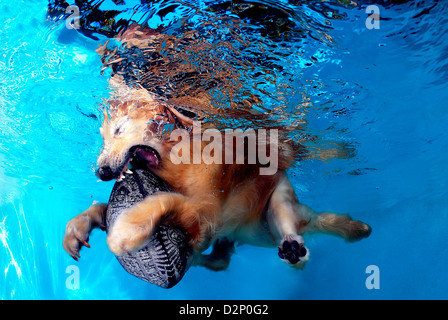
column 210, row 201
column 214, row 203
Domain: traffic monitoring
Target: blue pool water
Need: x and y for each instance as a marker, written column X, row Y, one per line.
column 381, row 92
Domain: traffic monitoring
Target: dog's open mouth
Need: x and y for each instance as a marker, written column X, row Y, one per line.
column 139, row 157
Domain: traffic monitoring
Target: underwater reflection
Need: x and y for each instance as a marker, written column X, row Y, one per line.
column 238, row 64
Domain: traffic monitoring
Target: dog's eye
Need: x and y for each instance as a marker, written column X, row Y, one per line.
column 120, row 127
column 118, row 131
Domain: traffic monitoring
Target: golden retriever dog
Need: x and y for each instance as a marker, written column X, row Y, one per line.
column 217, row 203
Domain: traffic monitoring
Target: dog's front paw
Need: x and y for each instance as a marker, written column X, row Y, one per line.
column 127, row 236
column 293, row 251
column 76, row 235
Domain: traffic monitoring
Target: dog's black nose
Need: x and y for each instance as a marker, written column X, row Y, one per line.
column 105, row 173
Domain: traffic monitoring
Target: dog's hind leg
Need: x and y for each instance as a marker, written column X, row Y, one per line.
column 341, row 225
column 290, row 219
column 219, row 258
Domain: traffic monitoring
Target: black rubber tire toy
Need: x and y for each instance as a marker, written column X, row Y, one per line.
column 166, row 257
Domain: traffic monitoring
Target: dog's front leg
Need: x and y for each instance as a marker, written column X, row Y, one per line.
column 134, row 226
column 79, row 228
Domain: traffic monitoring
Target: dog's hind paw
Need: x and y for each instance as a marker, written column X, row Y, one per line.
column 293, row 251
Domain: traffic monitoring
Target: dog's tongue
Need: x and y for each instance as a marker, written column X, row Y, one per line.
column 147, row 156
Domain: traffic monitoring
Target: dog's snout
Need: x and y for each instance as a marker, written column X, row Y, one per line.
column 105, row 173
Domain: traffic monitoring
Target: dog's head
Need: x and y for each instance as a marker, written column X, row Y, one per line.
column 136, row 133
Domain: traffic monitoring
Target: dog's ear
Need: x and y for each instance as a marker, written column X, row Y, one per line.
column 104, row 129
column 179, row 118
column 105, row 117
